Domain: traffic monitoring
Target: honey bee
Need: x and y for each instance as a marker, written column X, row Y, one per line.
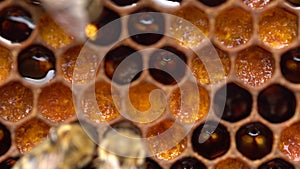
column 122, row 148
column 67, row 147
column 73, row 15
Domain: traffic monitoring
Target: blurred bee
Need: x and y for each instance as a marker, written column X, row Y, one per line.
column 122, row 148
column 67, row 147
column 73, row 15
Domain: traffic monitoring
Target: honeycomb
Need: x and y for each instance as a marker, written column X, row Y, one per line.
column 257, row 42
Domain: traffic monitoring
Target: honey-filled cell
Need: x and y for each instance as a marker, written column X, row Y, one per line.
column 278, row 28
column 254, row 66
column 16, row 24
column 188, row 162
column 5, row 139
column 189, row 103
column 211, row 140
column 233, row 27
column 290, row 65
column 199, row 70
column 36, row 64
column 289, row 141
column 107, row 105
column 166, row 139
column 30, row 134
column 53, row 35
column 125, row 2
column 146, row 26
column 254, row 140
column 55, row 103
column 231, row 163
column 16, row 101
column 190, row 26
column 146, row 102
column 6, row 62
column 8, row 163
column 276, row 163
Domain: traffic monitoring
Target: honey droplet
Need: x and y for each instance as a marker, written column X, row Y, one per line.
column 123, row 65
column 31, row 134
column 5, row 139
column 254, row 66
column 289, row 141
column 55, row 103
column 146, row 26
column 188, row 163
column 16, row 24
column 216, row 140
column 238, row 103
column 37, row 64
column 276, row 103
column 278, row 27
column 234, row 27
column 16, row 102
column 167, row 65
column 254, row 140
column 108, row 101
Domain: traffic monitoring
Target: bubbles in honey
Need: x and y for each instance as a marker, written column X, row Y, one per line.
column 189, row 105
column 254, row 140
column 276, row 163
column 146, row 26
column 289, row 141
column 37, row 64
column 216, row 140
column 276, row 103
column 231, row 163
column 53, row 34
column 278, row 28
column 188, row 163
column 171, row 144
column 5, row 139
column 55, row 103
column 238, row 103
column 108, row 101
column 123, row 65
column 5, row 63
column 16, row 102
column 233, row 27
column 167, row 65
column 109, row 28
column 16, row 24
column 31, row 133
column 290, row 65
column 254, row 66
